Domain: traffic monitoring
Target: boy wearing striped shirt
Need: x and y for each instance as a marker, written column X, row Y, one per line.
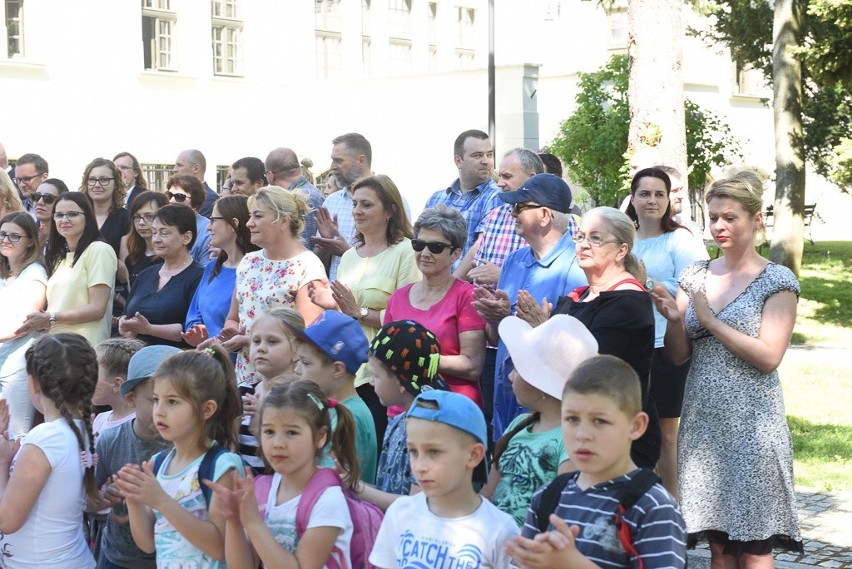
column 601, row 417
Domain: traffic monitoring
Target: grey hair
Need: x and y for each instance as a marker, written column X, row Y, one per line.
column 622, row 228
column 531, row 163
column 446, row 220
column 561, row 221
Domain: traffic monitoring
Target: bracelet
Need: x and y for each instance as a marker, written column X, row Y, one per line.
column 52, row 320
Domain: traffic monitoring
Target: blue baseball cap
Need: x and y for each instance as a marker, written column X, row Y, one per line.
column 143, row 364
column 339, row 336
column 548, row 190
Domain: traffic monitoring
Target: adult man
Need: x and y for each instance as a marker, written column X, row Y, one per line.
column 131, row 173
column 679, row 198
column 283, row 170
column 498, row 238
column 473, row 193
column 192, row 163
column 546, row 268
column 30, row 171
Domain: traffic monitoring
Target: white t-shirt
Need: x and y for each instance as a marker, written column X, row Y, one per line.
column 330, row 510
column 412, row 536
column 173, row 550
column 52, row 536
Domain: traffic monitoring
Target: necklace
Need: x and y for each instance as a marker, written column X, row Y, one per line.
column 169, row 274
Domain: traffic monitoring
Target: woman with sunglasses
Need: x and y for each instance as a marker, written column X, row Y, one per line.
column 82, row 268
column 103, row 184
column 23, row 285
column 443, row 303
column 188, row 190
column 43, row 200
column 380, row 261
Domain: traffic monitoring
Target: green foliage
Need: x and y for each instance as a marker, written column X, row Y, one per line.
column 593, row 141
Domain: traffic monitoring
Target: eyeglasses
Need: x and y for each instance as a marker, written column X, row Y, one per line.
column 521, row 207
column 594, row 240
column 216, row 218
column 48, row 198
column 435, row 247
column 146, row 218
column 71, row 215
column 180, row 198
column 103, row 181
column 12, row 237
column 26, row 179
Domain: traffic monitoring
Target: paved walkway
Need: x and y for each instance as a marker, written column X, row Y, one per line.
column 826, row 522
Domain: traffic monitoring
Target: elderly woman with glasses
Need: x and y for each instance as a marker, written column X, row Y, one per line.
column 82, row 271
column 443, row 303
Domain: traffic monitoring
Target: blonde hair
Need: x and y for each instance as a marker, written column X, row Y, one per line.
column 289, row 320
column 283, row 202
column 10, row 202
column 745, row 187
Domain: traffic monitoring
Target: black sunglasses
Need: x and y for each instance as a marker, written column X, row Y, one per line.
column 48, row 198
column 435, row 247
column 180, row 198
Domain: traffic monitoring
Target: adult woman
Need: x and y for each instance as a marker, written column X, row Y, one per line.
column 81, row 268
column 10, row 201
column 443, row 303
column 190, row 191
column 43, row 200
column 103, row 185
column 380, row 261
column 277, row 274
column 131, row 174
column 615, row 307
column 161, row 294
column 212, row 299
column 137, row 249
column 735, row 316
column 666, row 248
column 23, row 286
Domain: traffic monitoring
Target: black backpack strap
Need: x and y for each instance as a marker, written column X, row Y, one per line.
column 206, row 468
column 549, row 499
column 632, row 492
column 159, row 459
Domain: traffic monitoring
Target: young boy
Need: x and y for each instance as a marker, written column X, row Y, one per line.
column 131, row 442
column 447, row 524
column 601, row 417
column 331, row 351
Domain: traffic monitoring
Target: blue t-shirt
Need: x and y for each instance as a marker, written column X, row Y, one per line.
column 212, row 299
column 553, row 276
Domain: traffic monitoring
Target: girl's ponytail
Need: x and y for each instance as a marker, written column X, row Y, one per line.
column 343, row 445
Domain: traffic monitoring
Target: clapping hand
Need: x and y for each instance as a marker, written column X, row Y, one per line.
column 530, row 311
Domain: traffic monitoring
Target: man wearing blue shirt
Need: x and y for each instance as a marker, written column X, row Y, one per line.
column 546, row 268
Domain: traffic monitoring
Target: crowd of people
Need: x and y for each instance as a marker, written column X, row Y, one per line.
column 229, row 377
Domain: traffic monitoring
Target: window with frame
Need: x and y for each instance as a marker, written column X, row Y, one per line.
column 399, row 30
column 432, row 32
column 157, row 175
column 366, row 39
column 465, row 20
column 617, row 28
column 227, row 37
column 329, row 55
column 159, row 21
column 14, row 22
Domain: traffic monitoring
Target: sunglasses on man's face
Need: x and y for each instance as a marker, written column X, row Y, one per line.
column 180, row 198
column 48, row 198
column 435, row 247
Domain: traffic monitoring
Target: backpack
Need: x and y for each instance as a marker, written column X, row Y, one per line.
column 635, row 488
column 366, row 518
column 205, row 469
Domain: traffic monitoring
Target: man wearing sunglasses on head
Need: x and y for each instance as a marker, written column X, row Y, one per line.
column 30, row 171
column 189, row 191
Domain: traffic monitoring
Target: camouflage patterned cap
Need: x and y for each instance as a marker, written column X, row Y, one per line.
column 411, row 353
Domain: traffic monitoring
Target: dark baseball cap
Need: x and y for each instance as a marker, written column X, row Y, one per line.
column 544, row 189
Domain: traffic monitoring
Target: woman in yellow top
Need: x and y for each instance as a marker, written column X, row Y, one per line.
column 81, row 268
column 380, row 261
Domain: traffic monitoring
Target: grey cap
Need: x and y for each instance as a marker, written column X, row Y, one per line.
column 143, row 364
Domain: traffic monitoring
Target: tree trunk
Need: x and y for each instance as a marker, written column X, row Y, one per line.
column 655, row 91
column 789, row 231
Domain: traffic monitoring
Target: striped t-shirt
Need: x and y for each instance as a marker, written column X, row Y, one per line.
column 655, row 522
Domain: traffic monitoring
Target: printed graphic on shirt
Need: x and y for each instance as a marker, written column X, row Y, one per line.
column 424, row 552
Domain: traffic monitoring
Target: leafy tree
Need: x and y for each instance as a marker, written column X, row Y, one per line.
column 592, row 142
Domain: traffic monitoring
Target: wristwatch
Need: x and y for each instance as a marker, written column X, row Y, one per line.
column 52, row 320
column 363, row 312
column 649, row 284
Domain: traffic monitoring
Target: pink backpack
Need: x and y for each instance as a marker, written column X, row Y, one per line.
column 366, row 518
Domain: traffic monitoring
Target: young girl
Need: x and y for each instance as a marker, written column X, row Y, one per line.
column 272, row 349
column 295, row 424
column 42, row 500
column 113, row 358
column 195, row 406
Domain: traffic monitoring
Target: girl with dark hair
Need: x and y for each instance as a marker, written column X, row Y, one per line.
column 81, row 268
column 161, row 294
column 42, row 499
column 137, row 249
column 23, row 284
column 666, row 248
column 212, row 300
column 43, row 200
column 103, row 185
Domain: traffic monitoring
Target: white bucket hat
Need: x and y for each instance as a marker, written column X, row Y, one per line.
column 545, row 356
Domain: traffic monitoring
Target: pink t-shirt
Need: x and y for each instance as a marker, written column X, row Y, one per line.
column 448, row 318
